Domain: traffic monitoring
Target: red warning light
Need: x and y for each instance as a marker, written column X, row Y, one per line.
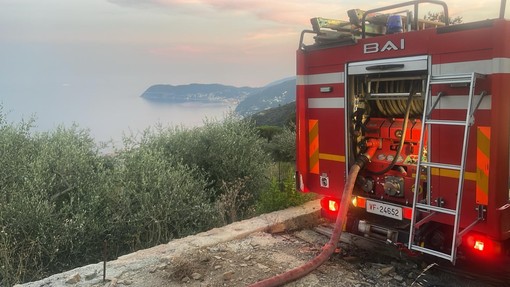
column 483, row 245
column 479, row 245
column 330, row 204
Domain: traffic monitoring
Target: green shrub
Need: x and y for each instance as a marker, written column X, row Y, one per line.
column 282, row 146
column 164, row 199
column 49, row 201
column 282, row 193
column 268, row 132
column 230, row 202
column 226, row 151
column 61, row 196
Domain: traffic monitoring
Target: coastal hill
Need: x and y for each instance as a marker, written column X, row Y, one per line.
column 271, row 96
column 204, row 93
column 280, row 116
column 248, row 100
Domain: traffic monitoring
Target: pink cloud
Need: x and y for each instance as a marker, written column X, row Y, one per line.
column 284, row 11
column 287, row 11
column 248, row 53
column 271, row 34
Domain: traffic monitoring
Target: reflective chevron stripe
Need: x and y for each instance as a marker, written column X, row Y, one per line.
column 483, row 144
column 313, row 144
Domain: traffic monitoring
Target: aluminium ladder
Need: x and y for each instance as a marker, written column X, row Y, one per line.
column 424, row 165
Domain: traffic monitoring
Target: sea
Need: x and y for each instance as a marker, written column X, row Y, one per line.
column 108, row 114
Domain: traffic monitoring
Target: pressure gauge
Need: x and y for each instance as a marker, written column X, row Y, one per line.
column 390, row 157
column 381, row 156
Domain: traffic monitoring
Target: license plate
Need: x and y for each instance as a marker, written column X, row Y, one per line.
column 384, row 209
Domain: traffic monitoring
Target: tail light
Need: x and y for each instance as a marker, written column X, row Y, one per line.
column 482, row 245
column 333, row 205
column 330, row 205
column 479, row 245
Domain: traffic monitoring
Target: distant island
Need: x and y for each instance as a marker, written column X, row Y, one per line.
column 248, row 100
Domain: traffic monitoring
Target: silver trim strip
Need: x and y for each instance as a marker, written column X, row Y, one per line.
column 491, row 66
column 326, row 103
column 320, row 79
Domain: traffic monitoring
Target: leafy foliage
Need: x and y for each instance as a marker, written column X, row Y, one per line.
column 160, row 201
column 282, row 146
column 268, row 132
column 225, row 151
column 281, row 194
column 281, row 116
column 282, row 191
column 61, row 197
column 49, row 192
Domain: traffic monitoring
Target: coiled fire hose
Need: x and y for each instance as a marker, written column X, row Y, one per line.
column 402, row 138
column 329, row 247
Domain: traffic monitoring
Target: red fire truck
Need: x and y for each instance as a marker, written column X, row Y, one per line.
column 427, row 105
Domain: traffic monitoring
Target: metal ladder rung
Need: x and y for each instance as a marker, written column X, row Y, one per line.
column 453, row 79
column 450, row 81
column 441, row 165
column 432, row 252
column 445, row 122
column 436, row 208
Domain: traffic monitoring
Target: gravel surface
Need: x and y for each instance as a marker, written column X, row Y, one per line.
column 248, row 251
column 262, row 255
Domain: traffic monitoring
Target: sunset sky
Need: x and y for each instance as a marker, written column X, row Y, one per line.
column 144, row 42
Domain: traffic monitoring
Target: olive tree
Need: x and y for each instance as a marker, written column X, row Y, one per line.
column 226, row 152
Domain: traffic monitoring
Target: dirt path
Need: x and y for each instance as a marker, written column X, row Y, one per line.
column 261, row 255
column 245, row 252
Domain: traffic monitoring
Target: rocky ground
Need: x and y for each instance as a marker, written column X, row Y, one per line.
column 245, row 252
column 262, row 255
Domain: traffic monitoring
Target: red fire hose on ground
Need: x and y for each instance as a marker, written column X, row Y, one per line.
column 330, row 247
